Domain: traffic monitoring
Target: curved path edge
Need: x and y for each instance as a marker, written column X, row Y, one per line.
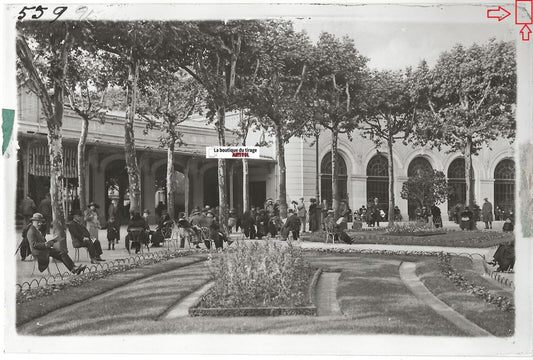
column 411, row 280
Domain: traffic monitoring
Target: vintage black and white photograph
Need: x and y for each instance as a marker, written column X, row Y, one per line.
column 315, row 170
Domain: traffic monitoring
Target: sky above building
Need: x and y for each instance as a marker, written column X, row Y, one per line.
column 396, row 36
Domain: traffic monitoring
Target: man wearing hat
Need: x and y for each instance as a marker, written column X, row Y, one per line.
column 292, row 224
column 486, row 213
column 42, row 249
column 81, row 237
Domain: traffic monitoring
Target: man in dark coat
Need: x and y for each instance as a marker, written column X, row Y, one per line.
column 313, row 223
column 248, row 223
column 42, row 250
column 486, row 213
column 81, row 238
column 137, row 224
column 293, row 225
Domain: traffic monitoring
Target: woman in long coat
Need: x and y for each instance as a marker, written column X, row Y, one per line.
column 91, row 220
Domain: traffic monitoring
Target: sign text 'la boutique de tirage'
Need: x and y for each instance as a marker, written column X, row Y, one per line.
column 232, row 152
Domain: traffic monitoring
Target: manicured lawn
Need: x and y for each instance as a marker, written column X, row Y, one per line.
column 487, row 316
column 371, row 296
column 43, row 305
column 469, row 239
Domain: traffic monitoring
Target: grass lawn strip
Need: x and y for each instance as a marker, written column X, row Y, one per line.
column 38, row 307
column 371, row 293
column 466, row 239
column 485, row 315
column 144, row 300
column 408, row 276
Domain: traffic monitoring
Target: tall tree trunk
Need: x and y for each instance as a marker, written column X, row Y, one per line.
column 317, row 169
column 245, row 187
column 391, row 182
column 55, row 146
column 334, row 173
column 468, row 171
column 82, row 164
column 134, row 174
column 222, row 195
column 170, row 180
column 280, row 152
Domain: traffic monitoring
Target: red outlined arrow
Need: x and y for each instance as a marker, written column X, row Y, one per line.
column 497, row 14
column 525, row 31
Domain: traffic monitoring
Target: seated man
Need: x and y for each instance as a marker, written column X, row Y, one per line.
column 140, row 228
column 504, row 257
column 163, row 230
column 42, row 249
column 81, row 237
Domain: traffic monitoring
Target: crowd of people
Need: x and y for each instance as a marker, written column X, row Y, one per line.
column 202, row 225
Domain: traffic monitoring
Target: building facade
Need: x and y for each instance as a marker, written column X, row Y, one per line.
column 106, row 170
column 363, row 173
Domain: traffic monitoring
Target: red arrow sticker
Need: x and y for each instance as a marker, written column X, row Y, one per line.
column 499, row 13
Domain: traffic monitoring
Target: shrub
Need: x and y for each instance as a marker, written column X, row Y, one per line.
column 410, row 227
column 261, row 274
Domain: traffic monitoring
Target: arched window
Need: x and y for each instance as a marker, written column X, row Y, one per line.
column 504, row 185
column 456, row 180
column 325, row 178
column 377, row 183
column 417, row 165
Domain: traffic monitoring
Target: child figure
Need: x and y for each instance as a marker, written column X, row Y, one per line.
column 112, row 233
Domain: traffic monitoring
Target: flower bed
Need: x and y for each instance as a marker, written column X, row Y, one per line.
column 259, row 279
column 502, row 302
column 413, row 229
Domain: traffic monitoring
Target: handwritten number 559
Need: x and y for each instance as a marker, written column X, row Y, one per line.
column 39, row 11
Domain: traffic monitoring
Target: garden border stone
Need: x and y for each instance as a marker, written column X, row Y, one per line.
column 311, row 310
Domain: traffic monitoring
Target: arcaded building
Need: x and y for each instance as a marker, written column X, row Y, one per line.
column 106, row 171
column 363, row 173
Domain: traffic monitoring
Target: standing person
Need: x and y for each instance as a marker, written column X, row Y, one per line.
column 302, row 214
column 91, row 219
column 42, row 250
column 112, row 233
column 232, row 220
column 313, row 223
column 248, row 223
column 45, row 208
column 291, row 225
column 375, row 213
column 437, row 217
column 214, row 229
column 467, row 219
column 28, row 208
column 81, row 237
column 112, row 212
column 486, row 212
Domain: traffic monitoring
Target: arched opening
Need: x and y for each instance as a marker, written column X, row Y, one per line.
column 457, row 182
column 179, row 185
column 417, row 166
column 377, row 183
column 326, row 176
column 504, row 185
column 117, row 188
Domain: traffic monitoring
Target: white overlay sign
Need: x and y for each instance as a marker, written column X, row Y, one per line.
column 232, row 152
